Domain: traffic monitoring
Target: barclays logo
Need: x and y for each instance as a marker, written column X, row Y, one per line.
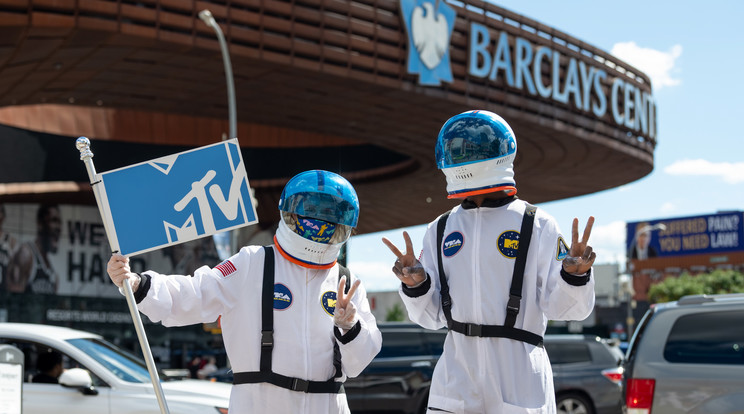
column 429, row 24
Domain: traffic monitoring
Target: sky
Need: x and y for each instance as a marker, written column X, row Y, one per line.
column 694, row 55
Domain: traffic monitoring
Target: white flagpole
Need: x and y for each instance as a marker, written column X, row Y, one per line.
column 86, row 155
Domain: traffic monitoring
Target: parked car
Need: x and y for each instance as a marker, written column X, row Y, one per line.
column 101, row 378
column 688, row 357
column 399, row 377
column 586, row 372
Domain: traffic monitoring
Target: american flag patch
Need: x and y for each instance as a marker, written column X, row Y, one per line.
column 226, row 268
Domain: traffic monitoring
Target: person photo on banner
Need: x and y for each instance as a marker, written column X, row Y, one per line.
column 8, row 246
column 295, row 323
column 641, row 248
column 494, row 270
column 31, row 269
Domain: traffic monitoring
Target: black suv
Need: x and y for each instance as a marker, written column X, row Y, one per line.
column 398, row 379
column 688, row 357
column 586, row 374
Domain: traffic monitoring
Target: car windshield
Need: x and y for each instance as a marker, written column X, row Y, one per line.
column 122, row 364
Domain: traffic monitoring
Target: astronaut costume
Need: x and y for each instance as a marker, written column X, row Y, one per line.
column 496, row 374
column 306, row 280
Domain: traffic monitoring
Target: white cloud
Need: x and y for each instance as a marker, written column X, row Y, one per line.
column 608, row 242
column 609, row 234
column 731, row 173
column 668, row 208
column 658, row 65
column 376, row 276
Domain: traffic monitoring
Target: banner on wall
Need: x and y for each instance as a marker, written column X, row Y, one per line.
column 63, row 250
column 713, row 233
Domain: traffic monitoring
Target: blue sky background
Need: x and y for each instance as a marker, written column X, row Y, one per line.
column 694, row 54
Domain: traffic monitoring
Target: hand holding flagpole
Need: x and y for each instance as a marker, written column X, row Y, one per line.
column 86, row 155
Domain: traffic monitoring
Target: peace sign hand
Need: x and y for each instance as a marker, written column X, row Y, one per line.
column 581, row 256
column 408, row 269
column 344, row 316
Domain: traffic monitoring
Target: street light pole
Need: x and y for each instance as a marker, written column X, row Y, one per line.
column 207, row 17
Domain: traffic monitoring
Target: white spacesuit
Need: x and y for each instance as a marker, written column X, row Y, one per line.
column 493, row 359
column 282, row 351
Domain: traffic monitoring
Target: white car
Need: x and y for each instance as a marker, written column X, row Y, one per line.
column 101, row 378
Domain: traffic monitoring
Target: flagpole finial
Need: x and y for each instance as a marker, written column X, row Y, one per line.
column 83, row 145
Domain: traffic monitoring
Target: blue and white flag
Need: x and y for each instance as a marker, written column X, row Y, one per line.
column 177, row 198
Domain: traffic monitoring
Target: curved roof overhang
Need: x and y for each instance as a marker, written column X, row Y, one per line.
column 312, row 74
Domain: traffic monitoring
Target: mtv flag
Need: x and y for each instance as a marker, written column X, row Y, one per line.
column 178, row 198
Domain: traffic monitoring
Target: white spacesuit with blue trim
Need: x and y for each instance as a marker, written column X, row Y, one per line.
column 314, row 313
column 495, row 375
column 303, row 326
column 493, row 360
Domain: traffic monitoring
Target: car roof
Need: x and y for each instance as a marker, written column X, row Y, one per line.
column 39, row 331
column 399, row 325
column 702, row 300
column 571, row 337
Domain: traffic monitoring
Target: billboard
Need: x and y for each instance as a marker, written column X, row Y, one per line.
column 706, row 234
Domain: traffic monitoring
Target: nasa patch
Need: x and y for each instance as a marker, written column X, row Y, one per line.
column 282, row 297
column 328, row 302
column 452, row 244
column 561, row 250
column 509, row 243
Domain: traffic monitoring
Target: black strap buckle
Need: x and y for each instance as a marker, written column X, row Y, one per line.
column 472, row 329
column 513, row 305
column 267, row 338
column 300, row 385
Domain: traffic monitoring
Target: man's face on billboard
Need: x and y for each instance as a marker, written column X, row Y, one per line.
column 50, row 228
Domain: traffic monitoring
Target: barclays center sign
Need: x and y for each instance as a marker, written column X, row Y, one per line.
column 503, row 58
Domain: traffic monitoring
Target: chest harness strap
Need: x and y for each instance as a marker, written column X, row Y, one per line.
column 265, row 374
column 507, row 330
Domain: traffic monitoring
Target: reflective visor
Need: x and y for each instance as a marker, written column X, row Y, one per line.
column 473, row 137
column 322, row 195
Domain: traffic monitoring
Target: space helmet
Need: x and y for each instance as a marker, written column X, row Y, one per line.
column 475, row 150
column 318, row 211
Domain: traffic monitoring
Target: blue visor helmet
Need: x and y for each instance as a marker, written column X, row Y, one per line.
column 476, row 150
column 321, row 195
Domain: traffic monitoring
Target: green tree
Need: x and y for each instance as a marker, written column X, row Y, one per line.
column 716, row 282
column 395, row 314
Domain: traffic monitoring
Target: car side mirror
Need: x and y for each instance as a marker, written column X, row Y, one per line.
column 78, row 378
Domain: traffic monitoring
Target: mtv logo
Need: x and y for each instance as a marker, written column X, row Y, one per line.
column 511, row 244
column 178, row 198
column 187, row 231
column 429, row 24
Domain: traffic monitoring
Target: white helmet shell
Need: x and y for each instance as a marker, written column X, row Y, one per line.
column 475, row 150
